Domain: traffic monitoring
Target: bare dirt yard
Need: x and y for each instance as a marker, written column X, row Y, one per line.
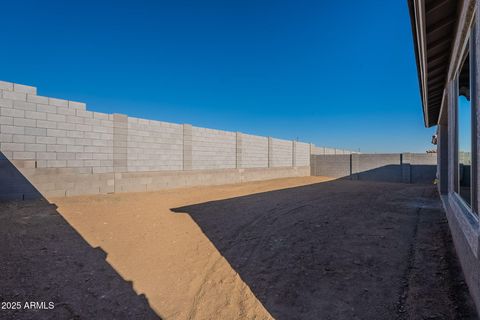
column 300, row 248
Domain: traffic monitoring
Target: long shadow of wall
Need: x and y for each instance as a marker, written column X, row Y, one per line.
column 44, row 259
column 322, row 251
column 13, row 185
column 332, row 250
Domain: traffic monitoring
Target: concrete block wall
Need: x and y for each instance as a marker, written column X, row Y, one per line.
column 53, row 133
column 159, row 180
column 254, row 151
column 423, row 158
column 330, row 165
column 281, row 153
column 378, row 167
column 317, row 150
column 325, row 150
column 302, row 154
column 13, row 185
column 40, row 134
column 63, row 149
column 423, row 167
column 213, row 149
column 154, row 145
column 330, row 151
column 405, row 167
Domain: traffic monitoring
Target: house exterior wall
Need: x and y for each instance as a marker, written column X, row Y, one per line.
column 462, row 218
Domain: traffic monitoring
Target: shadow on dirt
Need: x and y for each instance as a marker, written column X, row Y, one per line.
column 44, row 259
column 338, row 250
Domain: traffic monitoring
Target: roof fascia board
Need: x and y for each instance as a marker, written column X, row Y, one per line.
column 420, row 30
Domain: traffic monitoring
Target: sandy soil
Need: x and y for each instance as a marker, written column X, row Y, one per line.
column 300, row 248
column 167, row 255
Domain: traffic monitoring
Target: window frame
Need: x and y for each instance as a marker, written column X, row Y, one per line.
column 471, row 52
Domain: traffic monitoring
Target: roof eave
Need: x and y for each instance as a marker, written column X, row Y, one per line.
column 416, row 8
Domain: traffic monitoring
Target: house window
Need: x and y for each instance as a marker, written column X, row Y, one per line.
column 464, row 133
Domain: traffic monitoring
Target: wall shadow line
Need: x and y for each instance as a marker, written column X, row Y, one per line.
column 44, row 259
column 331, row 250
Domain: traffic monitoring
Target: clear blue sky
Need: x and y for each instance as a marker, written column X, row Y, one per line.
column 335, row 73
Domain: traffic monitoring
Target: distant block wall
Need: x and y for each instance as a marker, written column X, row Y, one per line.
column 64, row 149
column 325, row 150
column 404, row 167
column 330, row 165
column 379, row 167
column 302, row 154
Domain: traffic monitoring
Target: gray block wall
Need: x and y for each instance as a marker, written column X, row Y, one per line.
column 63, row 149
column 302, row 153
column 325, row 150
column 154, row 145
column 281, row 153
column 54, row 133
column 406, row 167
column 378, row 167
column 254, row 152
column 330, row 165
column 423, row 167
column 213, row 149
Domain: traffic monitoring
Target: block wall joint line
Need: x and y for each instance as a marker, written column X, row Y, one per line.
column 270, row 152
column 239, row 150
column 294, row 153
column 120, row 141
column 187, row 147
column 405, row 160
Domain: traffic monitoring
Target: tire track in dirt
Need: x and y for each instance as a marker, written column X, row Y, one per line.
column 402, row 313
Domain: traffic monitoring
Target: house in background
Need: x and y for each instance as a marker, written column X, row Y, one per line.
column 447, row 47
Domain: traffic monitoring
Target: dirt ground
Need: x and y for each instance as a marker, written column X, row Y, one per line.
column 299, row 248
